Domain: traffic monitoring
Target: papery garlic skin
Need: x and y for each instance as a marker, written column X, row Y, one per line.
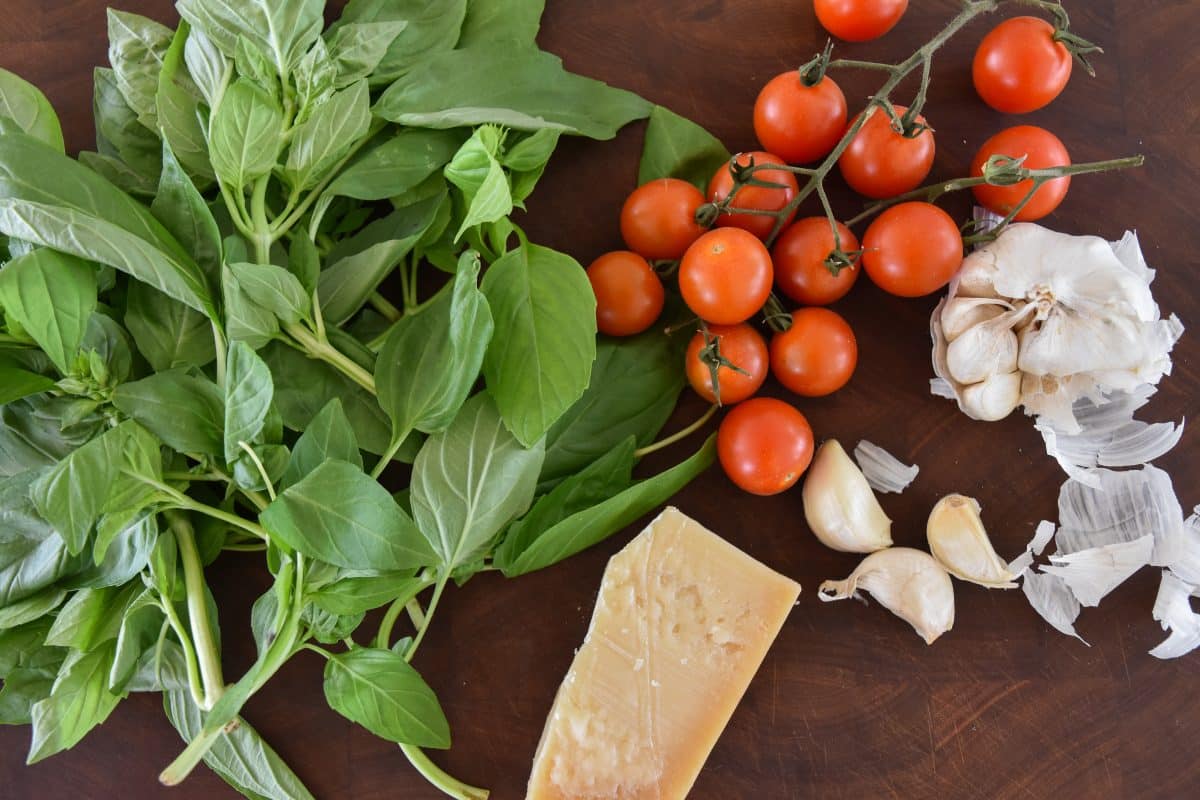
column 907, row 582
column 959, row 542
column 1081, row 310
column 839, row 505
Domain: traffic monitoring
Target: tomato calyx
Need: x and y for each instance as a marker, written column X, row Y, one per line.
column 1076, row 45
column 839, row 259
column 776, row 315
column 710, row 354
column 812, row 71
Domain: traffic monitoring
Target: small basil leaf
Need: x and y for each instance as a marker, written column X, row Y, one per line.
column 25, row 105
column 329, row 436
column 246, row 134
column 381, row 691
column 248, row 394
column 186, row 411
column 52, row 295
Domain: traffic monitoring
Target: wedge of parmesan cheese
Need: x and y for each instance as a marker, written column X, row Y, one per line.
column 682, row 622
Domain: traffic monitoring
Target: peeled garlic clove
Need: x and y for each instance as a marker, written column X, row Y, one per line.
column 907, row 582
column 839, row 505
column 962, row 313
column 993, row 399
column 960, row 543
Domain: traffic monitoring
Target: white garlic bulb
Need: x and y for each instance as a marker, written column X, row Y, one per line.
column 839, row 505
column 1077, row 310
column 907, row 582
column 959, row 542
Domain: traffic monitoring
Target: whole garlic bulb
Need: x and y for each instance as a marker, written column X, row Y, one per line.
column 840, row 506
column 907, row 582
column 1075, row 311
column 959, row 542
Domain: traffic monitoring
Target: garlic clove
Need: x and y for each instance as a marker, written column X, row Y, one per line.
column 907, row 582
column 959, row 542
column 962, row 313
column 839, row 505
column 993, row 399
column 977, row 276
column 981, row 351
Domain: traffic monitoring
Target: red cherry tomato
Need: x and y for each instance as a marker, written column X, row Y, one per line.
column 797, row 122
column 800, row 269
column 764, row 445
column 658, row 220
column 859, row 20
column 738, row 345
column 629, row 295
column 725, row 276
column 817, row 355
column 881, row 162
column 1041, row 149
column 759, row 198
column 1019, row 67
column 912, row 249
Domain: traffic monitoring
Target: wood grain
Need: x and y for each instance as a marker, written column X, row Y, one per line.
column 849, row 702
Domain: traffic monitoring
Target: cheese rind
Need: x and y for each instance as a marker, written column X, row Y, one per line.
column 682, row 622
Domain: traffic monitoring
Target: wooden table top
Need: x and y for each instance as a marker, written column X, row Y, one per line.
column 849, row 703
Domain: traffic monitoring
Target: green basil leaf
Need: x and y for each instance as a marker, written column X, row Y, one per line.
column 381, row 691
column 470, row 480
column 119, row 174
column 124, row 541
column 79, row 701
column 91, row 617
column 540, row 358
column 430, row 28
column 273, row 288
column 177, row 105
column 23, row 688
column 432, row 357
column 359, row 593
column 106, row 337
column 477, row 172
column 329, row 628
column 303, row 387
column 34, row 433
column 245, row 320
column 247, row 134
column 305, row 263
column 676, row 147
column 634, row 386
column 205, row 62
column 31, row 608
column 119, row 132
column 186, row 411
column 23, row 645
column 16, row 382
column 340, row 515
column 594, row 484
column 501, row 20
column 396, row 165
column 251, row 62
column 532, row 152
column 139, row 629
column 180, row 207
column 359, row 265
column 248, row 393
column 283, row 29
column 168, row 333
column 521, row 87
column 136, row 46
column 328, row 135
column 51, row 295
column 32, row 555
column 329, row 436
column 24, row 104
column 593, row 525
column 357, row 48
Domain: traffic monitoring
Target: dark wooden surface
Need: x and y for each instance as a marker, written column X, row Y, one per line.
column 850, row 703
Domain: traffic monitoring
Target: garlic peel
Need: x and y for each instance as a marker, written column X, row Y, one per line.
column 959, row 542
column 907, row 582
column 1093, row 573
column 1053, row 600
column 1173, row 610
column 1041, row 537
column 883, row 471
column 839, row 506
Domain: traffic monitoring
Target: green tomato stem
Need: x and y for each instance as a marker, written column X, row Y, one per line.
column 678, row 435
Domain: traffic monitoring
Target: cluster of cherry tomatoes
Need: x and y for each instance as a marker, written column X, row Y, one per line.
column 726, row 273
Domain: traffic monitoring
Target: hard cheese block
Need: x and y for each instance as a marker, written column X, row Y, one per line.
column 682, row 623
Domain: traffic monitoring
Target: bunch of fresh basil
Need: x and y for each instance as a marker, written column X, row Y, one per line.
column 195, row 356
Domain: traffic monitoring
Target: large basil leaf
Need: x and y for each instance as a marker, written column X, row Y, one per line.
column 32, row 555
column 470, row 480
column 520, row 87
column 31, row 608
column 119, row 132
column 283, row 29
column 79, row 701
column 501, row 21
column 357, row 48
column 381, row 691
column 340, row 515
column 35, row 433
column 329, row 436
column 185, row 411
column 91, row 617
column 28, row 108
column 26, row 685
column 16, row 382
column 429, row 28
column 540, row 358
column 178, row 107
column 303, row 387
column 634, row 385
column 247, row 134
column 274, row 289
column 206, row 64
column 136, row 46
column 139, row 629
column 595, row 524
column 328, row 135
column 52, row 295
column 248, row 393
column 23, row 645
column 168, row 333
column 443, row 343
column 245, row 320
column 125, row 538
column 359, row 264
column 118, row 173
column 676, row 147
column 396, row 165
column 355, row 594
column 180, row 207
